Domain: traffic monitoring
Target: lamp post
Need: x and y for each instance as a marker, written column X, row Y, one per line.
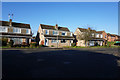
column 57, row 34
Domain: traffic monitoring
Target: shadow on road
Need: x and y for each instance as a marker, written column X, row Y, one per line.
column 59, row 64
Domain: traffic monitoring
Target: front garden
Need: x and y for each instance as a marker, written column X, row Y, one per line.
column 5, row 44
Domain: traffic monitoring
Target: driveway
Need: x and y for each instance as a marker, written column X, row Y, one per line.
column 72, row 63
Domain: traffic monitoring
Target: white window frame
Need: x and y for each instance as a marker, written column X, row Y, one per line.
column 101, row 36
column 93, row 34
column 19, row 30
column 71, row 34
column 3, row 29
column 55, row 32
column 47, row 32
column 97, row 35
column 28, row 31
column 65, row 33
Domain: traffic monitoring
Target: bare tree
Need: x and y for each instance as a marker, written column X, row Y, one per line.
column 87, row 35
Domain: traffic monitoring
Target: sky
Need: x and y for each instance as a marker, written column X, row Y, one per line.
column 97, row 15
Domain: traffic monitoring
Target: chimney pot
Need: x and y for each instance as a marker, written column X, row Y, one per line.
column 56, row 26
column 10, row 22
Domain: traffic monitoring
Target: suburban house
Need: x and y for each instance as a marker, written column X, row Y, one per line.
column 54, row 36
column 20, row 33
column 112, row 37
column 94, row 38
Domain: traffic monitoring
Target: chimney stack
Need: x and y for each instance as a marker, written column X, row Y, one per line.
column 89, row 28
column 10, row 22
column 56, row 26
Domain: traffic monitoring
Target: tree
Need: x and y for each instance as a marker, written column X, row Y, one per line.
column 37, row 39
column 87, row 35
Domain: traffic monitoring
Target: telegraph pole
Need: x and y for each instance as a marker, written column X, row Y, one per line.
column 57, row 34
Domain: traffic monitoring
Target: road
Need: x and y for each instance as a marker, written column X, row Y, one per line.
column 68, row 63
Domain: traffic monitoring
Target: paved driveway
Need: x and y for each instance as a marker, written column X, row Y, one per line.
column 75, row 63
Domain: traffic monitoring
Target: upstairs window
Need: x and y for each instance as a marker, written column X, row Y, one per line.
column 71, row 34
column 27, row 31
column 92, row 34
column 3, row 29
column 47, row 32
column 105, row 36
column 101, row 36
column 63, row 33
column 16, row 30
column 97, row 35
column 55, row 33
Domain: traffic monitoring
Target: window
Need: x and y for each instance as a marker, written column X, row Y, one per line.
column 70, row 34
column 101, row 36
column 55, row 33
column 97, row 35
column 63, row 41
column 27, row 31
column 105, row 36
column 92, row 34
column 3, row 29
column 53, row 41
column 16, row 30
column 63, row 34
column 47, row 32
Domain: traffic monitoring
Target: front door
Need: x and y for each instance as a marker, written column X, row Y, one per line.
column 46, row 42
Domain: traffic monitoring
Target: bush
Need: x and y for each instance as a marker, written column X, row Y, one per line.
column 52, row 45
column 42, row 46
column 33, row 44
column 4, row 41
column 73, row 44
column 11, row 43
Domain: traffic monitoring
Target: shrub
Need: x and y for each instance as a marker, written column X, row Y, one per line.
column 52, row 45
column 33, row 44
column 42, row 42
column 4, row 41
column 42, row 46
column 109, row 45
column 73, row 44
column 11, row 43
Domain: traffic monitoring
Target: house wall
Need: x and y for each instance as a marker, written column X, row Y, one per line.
column 9, row 29
column 104, row 35
column 80, row 43
column 111, row 39
column 41, row 35
column 59, row 44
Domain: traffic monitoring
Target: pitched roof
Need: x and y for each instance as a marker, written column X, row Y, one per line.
column 14, row 24
column 53, row 27
column 85, row 30
column 111, row 34
column 100, row 32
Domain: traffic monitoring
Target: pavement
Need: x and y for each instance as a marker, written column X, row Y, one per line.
column 83, row 63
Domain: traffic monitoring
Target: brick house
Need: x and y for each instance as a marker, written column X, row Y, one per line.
column 97, row 37
column 54, row 36
column 18, row 32
column 112, row 37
